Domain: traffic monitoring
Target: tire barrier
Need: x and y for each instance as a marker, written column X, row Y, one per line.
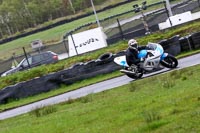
column 105, row 58
column 77, row 65
column 77, row 72
column 177, row 44
column 164, row 44
column 29, row 88
column 186, row 43
column 172, row 45
column 196, row 39
column 88, row 72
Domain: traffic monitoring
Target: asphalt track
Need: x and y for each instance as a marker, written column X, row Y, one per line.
column 95, row 88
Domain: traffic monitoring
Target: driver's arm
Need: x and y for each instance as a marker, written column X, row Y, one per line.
column 142, row 47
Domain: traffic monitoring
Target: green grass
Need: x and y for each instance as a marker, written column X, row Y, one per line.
column 150, row 107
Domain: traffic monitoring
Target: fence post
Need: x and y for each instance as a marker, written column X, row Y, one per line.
column 167, row 13
column 187, row 37
column 26, row 57
column 120, row 29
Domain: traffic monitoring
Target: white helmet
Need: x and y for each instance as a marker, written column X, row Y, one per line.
column 132, row 44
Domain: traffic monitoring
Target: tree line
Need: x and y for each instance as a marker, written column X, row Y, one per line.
column 18, row 15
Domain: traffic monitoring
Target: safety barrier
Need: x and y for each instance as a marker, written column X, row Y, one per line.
column 196, row 39
column 172, row 45
column 186, row 43
column 75, row 73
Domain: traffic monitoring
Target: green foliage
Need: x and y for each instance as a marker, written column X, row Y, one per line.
column 155, row 125
column 69, row 101
column 175, row 111
column 151, row 116
column 134, row 87
column 168, row 83
column 8, row 80
column 183, row 75
column 20, row 15
column 86, row 99
column 54, row 67
column 43, row 111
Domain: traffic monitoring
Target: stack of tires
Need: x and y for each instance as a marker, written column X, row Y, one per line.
column 186, row 43
column 196, row 39
column 190, row 42
column 177, row 44
column 172, row 45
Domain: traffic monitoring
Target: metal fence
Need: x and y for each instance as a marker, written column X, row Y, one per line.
column 135, row 28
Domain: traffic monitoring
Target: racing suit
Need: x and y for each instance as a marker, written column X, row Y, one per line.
column 132, row 55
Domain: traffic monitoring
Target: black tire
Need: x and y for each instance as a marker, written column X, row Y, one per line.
column 107, row 57
column 170, row 62
column 76, row 65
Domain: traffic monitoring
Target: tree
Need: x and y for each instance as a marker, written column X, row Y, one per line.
column 71, row 4
column 5, row 18
column 19, row 15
